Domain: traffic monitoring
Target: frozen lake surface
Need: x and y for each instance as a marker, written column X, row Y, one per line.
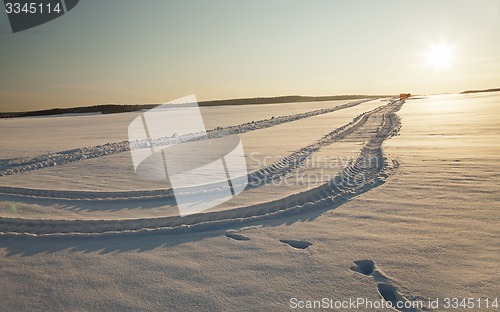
column 421, row 223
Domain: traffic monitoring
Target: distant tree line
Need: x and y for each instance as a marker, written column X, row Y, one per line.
column 103, row 109
column 116, row 108
column 287, row 99
column 478, row 91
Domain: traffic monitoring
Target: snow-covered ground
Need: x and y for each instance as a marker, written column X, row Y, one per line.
column 424, row 218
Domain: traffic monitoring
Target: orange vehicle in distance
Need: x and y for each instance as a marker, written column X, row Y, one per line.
column 404, row 96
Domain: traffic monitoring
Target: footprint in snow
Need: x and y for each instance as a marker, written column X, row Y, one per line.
column 236, row 236
column 296, row 243
column 385, row 286
column 365, row 267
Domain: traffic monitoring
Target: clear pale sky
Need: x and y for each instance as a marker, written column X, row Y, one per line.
column 122, row 51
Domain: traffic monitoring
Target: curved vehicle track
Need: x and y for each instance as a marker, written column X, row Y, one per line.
column 369, row 169
column 21, row 165
column 255, row 179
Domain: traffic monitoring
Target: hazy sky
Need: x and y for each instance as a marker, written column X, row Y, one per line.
column 121, row 51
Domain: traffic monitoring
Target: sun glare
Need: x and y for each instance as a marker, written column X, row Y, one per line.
column 440, row 56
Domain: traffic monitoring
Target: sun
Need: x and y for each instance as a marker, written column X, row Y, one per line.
column 440, row 56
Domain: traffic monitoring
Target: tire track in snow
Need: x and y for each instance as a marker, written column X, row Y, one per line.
column 367, row 171
column 21, row 165
column 255, row 179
